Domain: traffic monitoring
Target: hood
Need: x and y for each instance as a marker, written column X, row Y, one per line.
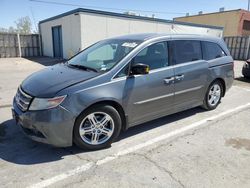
column 49, row 81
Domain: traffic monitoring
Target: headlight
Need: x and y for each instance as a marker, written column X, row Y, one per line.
column 46, row 103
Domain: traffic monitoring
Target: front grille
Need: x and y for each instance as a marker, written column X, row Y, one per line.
column 22, row 99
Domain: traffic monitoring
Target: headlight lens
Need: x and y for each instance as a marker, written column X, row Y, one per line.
column 46, row 103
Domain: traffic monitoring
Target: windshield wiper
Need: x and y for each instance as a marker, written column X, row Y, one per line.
column 83, row 67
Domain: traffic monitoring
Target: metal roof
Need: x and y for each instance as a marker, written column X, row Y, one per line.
column 83, row 10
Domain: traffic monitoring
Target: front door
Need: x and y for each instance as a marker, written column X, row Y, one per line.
column 151, row 95
column 57, row 41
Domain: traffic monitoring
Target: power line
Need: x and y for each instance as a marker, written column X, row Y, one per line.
column 107, row 8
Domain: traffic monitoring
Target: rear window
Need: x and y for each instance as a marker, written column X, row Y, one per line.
column 185, row 51
column 212, row 51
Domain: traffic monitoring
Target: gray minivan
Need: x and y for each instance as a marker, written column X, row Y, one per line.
column 121, row 82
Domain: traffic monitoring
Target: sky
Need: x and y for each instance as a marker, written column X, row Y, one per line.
column 11, row 10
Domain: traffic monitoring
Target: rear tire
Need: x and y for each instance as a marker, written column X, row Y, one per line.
column 213, row 95
column 97, row 127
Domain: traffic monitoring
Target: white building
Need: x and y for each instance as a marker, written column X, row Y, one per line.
column 66, row 34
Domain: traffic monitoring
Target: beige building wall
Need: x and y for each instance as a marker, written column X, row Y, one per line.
column 95, row 27
column 230, row 20
column 81, row 29
column 71, row 35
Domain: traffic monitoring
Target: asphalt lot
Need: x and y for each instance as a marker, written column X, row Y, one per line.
column 194, row 148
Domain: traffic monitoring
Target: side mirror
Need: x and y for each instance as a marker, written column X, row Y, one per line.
column 139, row 68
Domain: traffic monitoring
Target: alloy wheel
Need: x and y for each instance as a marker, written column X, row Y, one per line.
column 214, row 95
column 96, row 128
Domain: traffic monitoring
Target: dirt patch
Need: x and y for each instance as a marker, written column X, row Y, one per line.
column 238, row 143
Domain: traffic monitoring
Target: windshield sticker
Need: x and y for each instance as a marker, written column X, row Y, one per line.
column 129, row 44
column 103, row 68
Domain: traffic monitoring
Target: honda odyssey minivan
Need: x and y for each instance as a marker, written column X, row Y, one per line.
column 121, row 82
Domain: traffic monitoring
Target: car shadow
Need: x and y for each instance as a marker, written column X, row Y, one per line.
column 46, row 61
column 16, row 148
column 243, row 79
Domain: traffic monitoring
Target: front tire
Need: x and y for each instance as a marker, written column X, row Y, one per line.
column 97, row 127
column 213, row 96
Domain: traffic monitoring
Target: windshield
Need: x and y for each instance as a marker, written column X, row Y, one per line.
column 103, row 55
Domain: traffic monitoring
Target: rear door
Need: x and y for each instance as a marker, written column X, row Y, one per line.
column 191, row 73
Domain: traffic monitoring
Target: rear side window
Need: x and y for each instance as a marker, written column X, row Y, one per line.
column 185, row 51
column 212, row 51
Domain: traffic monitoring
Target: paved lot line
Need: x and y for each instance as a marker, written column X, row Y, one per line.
column 107, row 159
column 245, row 89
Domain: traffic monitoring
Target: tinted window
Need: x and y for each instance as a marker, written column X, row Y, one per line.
column 212, row 50
column 185, row 51
column 155, row 55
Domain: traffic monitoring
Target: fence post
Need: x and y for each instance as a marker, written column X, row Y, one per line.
column 247, row 49
column 40, row 45
column 19, row 45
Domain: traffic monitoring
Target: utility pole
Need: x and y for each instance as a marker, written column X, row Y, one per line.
column 248, row 5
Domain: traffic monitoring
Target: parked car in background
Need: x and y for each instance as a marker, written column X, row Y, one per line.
column 119, row 83
column 246, row 69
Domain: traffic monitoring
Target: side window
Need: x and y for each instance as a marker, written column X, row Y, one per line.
column 155, row 56
column 212, row 51
column 185, row 51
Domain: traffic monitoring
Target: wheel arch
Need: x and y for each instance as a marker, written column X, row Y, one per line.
column 114, row 104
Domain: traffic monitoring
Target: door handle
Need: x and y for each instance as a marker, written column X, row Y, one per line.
column 168, row 80
column 179, row 77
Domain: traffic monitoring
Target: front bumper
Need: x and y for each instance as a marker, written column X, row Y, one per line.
column 53, row 126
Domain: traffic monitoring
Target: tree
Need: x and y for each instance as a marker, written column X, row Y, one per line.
column 24, row 25
column 12, row 30
column 3, row 30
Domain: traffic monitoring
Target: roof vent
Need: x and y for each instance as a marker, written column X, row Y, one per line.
column 131, row 13
column 200, row 13
column 222, row 9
